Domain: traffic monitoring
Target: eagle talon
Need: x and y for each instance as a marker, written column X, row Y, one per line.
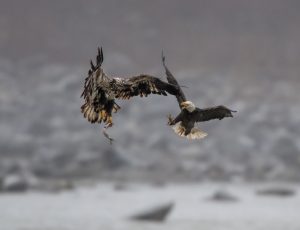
column 109, row 122
column 170, row 119
column 108, row 125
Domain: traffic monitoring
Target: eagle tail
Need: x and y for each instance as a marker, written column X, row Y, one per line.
column 95, row 117
column 193, row 135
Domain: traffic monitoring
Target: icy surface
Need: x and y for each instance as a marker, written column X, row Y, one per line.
column 102, row 207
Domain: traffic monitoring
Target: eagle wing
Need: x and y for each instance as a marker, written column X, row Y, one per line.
column 172, row 80
column 217, row 112
column 142, row 85
column 92, row 80
column 97, row 106
column 100, row 91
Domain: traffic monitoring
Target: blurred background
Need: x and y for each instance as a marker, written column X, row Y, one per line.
column 243, row 54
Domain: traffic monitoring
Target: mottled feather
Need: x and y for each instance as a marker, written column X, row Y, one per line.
column 100, row 91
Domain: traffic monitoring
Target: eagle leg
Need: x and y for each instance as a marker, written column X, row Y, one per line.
column 109, row 122
column 170, row 120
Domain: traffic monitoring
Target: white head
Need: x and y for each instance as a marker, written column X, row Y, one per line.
column 188, row 105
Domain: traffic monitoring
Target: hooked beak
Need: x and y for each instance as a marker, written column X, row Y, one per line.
column 183, row 104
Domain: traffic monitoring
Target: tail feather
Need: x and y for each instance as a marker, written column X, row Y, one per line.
column 96, row 117
column 194, row 134
column 89, row 113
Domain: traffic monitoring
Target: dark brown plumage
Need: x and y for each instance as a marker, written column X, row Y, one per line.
column 101, row 91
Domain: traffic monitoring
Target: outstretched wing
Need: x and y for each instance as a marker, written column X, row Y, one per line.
column 142, row 85
column 92, row 81
column 172, row 80
column 218, row 112
column 97, row 107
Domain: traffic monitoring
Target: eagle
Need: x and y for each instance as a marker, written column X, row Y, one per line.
column 101, row 91
column 184, row 123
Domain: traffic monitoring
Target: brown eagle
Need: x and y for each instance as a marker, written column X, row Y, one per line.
column 101, row 91
column 184, row 123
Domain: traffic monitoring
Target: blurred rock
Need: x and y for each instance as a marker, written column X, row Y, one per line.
column 15, row 183
column 276, row 191
column 223, row 196
column 121, row 187
column 158, row 213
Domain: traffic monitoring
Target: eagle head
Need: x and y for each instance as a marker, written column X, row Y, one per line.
column 188, row 105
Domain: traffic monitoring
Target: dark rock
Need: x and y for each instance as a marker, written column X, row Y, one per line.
column 223, row 196
column 121, row 187
column 279, row 192
column 158, row 213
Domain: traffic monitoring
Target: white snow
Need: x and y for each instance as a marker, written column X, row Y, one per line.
column 101, row 207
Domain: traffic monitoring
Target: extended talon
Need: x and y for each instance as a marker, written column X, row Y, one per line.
column 170, row 119
column 109, row 122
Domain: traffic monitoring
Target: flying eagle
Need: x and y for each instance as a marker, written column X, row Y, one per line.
column 101, row 91
column 184, row 123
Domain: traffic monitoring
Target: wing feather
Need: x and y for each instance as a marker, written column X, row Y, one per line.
column 218, row 112
column 172, row 80
column 142, row 86
column 97, row 107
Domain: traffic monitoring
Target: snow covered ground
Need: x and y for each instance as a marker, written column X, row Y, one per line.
column 105, row 208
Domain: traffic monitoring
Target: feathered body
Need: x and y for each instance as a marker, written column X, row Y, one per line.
column 101, row 91
column 184, row 123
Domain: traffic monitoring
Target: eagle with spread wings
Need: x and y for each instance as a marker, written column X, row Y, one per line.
column 184, row 123
column 101, row 91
